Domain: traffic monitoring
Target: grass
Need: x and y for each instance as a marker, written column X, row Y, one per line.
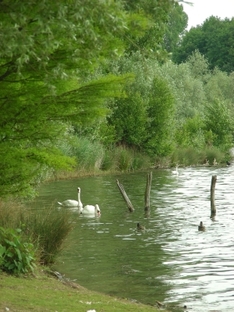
column 40, row 291
column 46, row 293
column 46, row 228
column 191, row 156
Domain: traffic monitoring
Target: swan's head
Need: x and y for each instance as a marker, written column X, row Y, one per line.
column 78, row 189
column 97, row 210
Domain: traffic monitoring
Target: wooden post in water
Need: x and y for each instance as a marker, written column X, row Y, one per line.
column 147, row 193
column 212, row 196
column 125, row 196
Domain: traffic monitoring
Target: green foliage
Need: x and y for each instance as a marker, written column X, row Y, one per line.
column 189, row 156
column 88, row 153
column 191, row 41
column 32, row 127
column 144, row 119
column 149, row 42
column 186, row 87
column 16, row 256
column 199, row 66
column 107, row 134
column 176, row 25
column 45, row 57
column 160, row 112
column 124, row 159
column 190, row 86
column 64, row 66
column 214, row 153
column 191, row 133
column 213, row 39
column 128, row 120
column 219, row 86
column 23, row 167
column 92, row 156
column 218, row 121
column 46, row 229
column 52, row 31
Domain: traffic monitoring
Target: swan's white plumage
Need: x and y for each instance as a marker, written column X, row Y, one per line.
column 176, row 172
column 72, row 202
column 91, row 210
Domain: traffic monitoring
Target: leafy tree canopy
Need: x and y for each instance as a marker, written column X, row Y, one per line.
column 175, row 28
column 144, row 120
column 218, row 121
column 47, row 50
column 166, row 20
column 214, row 39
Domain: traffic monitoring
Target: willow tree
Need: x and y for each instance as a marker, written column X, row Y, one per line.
column 151, row 41
column 48, row 48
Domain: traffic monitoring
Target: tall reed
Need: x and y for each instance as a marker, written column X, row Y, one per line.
column 46, row 228
column 192, row 156
column 124, row 159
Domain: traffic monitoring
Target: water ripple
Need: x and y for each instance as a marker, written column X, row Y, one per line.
column 204, row 259
column 171, row 261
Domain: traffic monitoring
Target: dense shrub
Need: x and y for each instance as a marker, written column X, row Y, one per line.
column 45, row 228
column 188, row 156
column 48, row 229
column 16, row 255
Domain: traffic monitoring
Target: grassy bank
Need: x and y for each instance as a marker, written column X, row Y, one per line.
column 94, row 159
column 39, row 290
column 46, row 293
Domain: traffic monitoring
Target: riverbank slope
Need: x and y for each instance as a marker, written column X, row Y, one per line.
column 43, row 292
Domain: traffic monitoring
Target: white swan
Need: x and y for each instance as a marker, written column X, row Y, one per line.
column 215, row 162
column 176, row 172
column 91, row 210
column 72, row 202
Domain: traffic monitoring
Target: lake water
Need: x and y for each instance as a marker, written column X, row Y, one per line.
column 171, row 261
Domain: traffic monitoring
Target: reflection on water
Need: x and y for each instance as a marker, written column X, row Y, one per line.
column 171, row 261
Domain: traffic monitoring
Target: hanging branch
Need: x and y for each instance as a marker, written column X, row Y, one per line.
column 125, row 196
column 147, row 193
column 212, row 196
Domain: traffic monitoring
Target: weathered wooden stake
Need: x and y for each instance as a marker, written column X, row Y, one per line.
column 147, row 192
column 212, row 196
column 125, row 196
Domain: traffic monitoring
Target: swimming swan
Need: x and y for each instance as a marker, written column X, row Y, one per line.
column 72, row 202
column 91, row 210
column 176, row 172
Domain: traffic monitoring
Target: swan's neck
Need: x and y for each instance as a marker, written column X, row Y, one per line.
column 79, row 201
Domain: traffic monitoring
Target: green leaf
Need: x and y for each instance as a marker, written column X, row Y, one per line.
column 2, row 250
column 19, row 254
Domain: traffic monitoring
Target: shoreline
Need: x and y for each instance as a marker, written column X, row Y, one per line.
column 44, row 292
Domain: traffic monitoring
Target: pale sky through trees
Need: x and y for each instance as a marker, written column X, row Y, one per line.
column 202, row 9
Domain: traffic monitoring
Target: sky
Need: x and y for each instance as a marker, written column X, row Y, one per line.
column 202, row 9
